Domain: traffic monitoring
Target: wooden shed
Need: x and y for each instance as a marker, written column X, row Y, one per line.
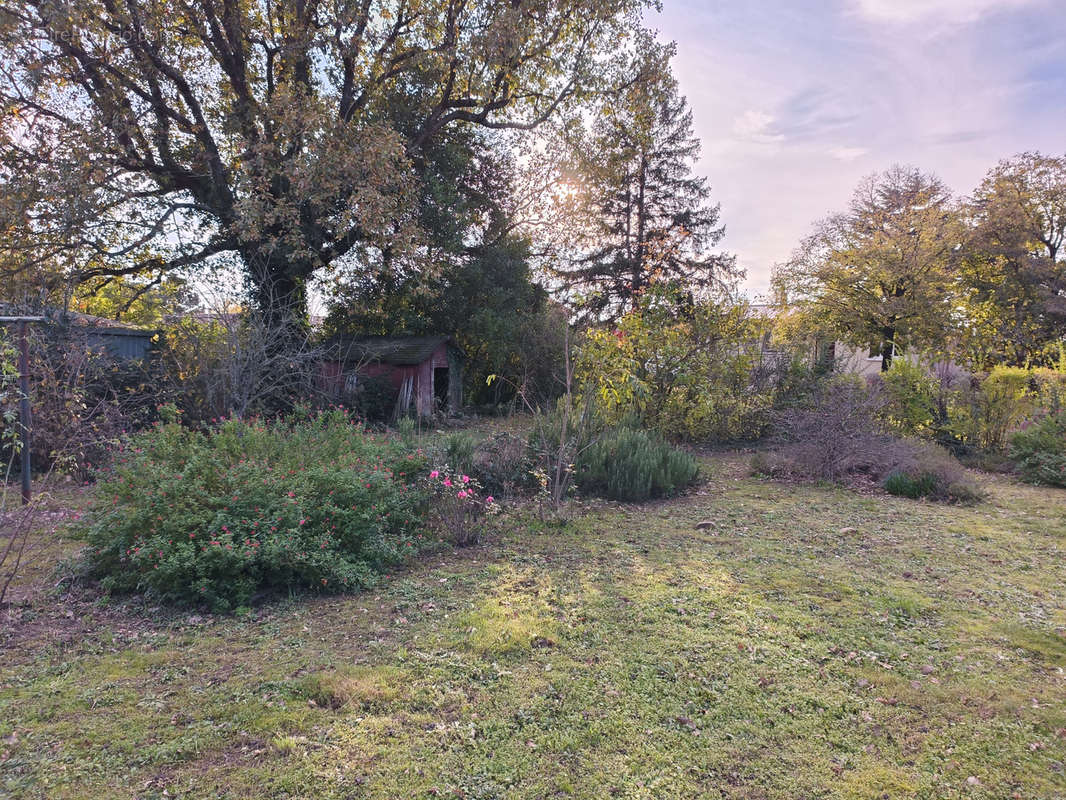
column 119, row 340
column 427, row 371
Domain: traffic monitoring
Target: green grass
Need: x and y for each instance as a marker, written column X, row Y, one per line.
column 813, row 643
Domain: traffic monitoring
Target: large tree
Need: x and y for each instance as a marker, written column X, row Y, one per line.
column 153, row 135
column 644, row 215
column 1015, row 267
column 483, row 292
column 881, row 274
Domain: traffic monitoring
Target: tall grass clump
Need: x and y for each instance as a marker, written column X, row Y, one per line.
column 634, row 465
column 216, row 517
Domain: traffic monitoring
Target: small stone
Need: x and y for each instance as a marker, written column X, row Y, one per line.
column 973, row 780
column 846, row 531
column 928, row 669
column 706, row 525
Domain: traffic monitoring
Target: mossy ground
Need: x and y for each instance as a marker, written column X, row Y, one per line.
column 813, row 642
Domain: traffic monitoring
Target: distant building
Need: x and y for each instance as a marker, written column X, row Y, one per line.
column 847, row 358
column 119, row 340
column 426, row 371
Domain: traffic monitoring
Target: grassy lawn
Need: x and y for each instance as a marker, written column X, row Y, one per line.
column 811, row 642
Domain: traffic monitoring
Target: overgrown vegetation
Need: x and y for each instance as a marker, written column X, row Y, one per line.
column 216, row 517
column 686, row 370
column 841, row 435
column 83, row 399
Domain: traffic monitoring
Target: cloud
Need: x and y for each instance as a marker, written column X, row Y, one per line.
column 813, row 112
column 848, row 153
column 911, row 11
column 757, row 126
column 807, row 115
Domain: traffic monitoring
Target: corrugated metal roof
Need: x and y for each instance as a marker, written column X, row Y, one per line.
column 401, row 351
column 78, row 319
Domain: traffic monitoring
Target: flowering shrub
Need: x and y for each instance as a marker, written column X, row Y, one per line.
column 458, row 506
column 216, row 517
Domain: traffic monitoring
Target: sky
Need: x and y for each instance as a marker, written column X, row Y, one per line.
column 796, row 100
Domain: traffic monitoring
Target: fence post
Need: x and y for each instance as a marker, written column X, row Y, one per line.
column 25, row 424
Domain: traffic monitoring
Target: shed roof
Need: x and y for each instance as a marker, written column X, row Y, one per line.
column 90, row 322
column 401, row 351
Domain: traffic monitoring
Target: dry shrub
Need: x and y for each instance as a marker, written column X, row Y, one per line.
column 83, row 400
column 924, row 469
column 840, row 436
column 502, row 464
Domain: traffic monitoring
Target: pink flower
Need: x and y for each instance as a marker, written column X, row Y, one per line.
column 435, row 473
column 466, row 479
column 461, row 495
column 489, row 500
column 447, row 481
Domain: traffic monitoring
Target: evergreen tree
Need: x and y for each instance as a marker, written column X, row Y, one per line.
column 480, row 289
column 648, row 217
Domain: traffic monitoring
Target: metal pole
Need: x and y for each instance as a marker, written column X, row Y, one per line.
column 24, row 411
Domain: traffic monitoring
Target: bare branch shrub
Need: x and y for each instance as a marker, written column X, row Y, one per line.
column 837, row 434
column 73, row 421
column 234, row 362
column 841, row 434
column 83, row 400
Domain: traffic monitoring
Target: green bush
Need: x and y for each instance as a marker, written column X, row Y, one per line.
column 1040, row 451
column 913, row 486
column 699, row 374
column 216, row 517
column 991, row 407
column 457, row 451
column 911, row 394
column 633, row 466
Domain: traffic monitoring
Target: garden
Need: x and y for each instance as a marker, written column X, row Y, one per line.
column 582, row 601
column 381, row 416
column 750, row 638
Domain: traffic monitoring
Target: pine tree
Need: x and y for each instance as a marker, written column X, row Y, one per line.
column 648, row 217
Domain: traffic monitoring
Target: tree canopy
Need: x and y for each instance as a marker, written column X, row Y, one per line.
column 1015, row 266
column 879, row 274
column 154, row 135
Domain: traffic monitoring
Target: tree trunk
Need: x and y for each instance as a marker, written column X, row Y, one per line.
column 279, row 291
column 641, row 254
column 888, row 339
